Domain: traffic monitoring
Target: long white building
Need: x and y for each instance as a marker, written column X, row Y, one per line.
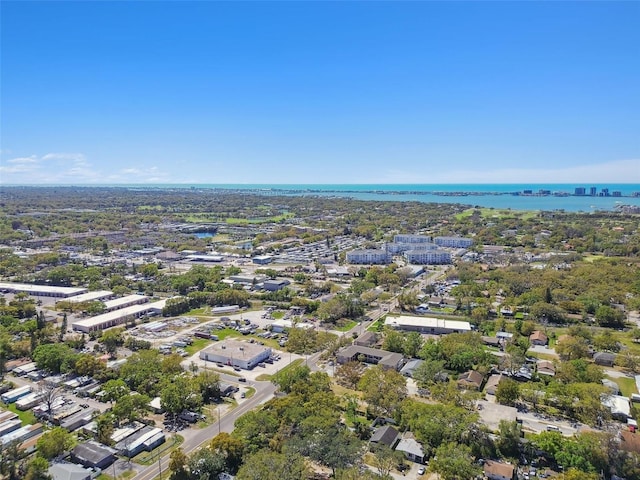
column 406, row 238
column 428, row 257
column 118, row 317
column 435, row 326
column 454, row 242
column 91, row 296
column 126, row 301
column 41, row 290
column 368, row 257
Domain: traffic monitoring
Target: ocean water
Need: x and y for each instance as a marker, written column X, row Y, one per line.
column 497, row 196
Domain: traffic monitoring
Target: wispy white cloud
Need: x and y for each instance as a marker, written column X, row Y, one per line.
column 140, row 174
column 71, row 168
column 49, row 168
column 23, row 160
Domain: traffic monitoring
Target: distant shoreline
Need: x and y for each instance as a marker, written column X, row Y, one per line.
column 521, row 197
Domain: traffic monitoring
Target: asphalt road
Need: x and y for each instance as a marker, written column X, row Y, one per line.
column 264, row 392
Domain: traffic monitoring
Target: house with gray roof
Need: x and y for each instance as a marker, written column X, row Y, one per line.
column 604, row 359
column 69, row 471
column 92, row 454
column 410, row 367
column 367, row 339
column 386, row 435
column 374, row 356
column 411, row 448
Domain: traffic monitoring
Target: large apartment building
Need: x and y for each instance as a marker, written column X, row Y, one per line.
column 406, row 238
column 454, row 242
column 369, row 257
column 428, row 257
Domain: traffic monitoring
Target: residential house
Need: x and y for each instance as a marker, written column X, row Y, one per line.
column 370, row 355
column 367, row 339
column 491, row 341
column 471, row 380
column 604, row 359
column 69, row 471
column 619, row 406
column 499, row 471
column 546, row 367
column 538, row 338
column 410, row 367
column 386, row 435
column 411, row 448
column 504, row 336
column 492, row 384
column 92, row 454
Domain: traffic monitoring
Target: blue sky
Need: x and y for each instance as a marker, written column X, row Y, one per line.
column 327, row 92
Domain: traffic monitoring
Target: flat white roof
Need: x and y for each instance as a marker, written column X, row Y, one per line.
column 289, row 324
column 205, row 258
column 116, row 302
column 98, row 320
column 236, row 348
column 427, row 322
column 35, row 289
column 124, row 432
column 618, row 404
column 90, row 296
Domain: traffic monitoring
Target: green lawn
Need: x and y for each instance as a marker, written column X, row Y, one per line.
column 497, row 213
column 126, row 474
column 376, row 326
column 627, row 385
column 348, row 325
column 27, row 418
column 447, row 310
column 543, row 356
column 197, row 345
column 254, row 221
column 266, row 377
column 627, row 341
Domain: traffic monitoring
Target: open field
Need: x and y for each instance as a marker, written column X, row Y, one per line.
column 501, row 213
column 266, row 377
column 627, row 385
column 26, row 417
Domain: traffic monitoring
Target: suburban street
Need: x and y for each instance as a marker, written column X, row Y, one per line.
column 195, row 438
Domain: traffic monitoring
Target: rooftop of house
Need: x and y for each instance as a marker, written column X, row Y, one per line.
column 498, row 468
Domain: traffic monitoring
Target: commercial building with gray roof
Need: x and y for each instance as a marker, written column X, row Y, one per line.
column 239, row 354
